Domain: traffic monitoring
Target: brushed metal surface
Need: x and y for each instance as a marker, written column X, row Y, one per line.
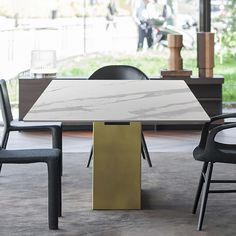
column 117, row 166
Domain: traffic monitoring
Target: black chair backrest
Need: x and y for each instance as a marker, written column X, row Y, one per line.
column 5, row 104
column 118, row 72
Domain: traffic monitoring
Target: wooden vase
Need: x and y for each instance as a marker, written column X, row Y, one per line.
column 175, row 44
column 205, row 54
column 175, row 62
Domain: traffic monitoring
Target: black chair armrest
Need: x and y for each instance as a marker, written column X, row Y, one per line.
column 54, row 127
column 16, row 125
column 223, row 116
column 211, row 137
column 206, row 126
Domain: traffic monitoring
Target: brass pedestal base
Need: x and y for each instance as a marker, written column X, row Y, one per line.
column 117, row 165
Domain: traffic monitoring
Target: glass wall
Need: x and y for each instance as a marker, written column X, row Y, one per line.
column 88, row 34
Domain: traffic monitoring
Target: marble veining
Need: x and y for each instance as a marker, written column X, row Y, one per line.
column 117, row 100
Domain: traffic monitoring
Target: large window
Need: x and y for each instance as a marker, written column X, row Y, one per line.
column 87, row 34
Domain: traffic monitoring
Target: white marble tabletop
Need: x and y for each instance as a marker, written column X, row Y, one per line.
column 157, row 101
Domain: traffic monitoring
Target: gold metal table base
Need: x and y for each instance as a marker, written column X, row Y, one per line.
column 117, row 165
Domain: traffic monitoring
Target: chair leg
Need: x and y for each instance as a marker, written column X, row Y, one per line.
column 59, row 195
column 199, row 189
column 57, row 143
column 90, row 157
column 205, row 195
column 143, row 152
column 61, row 164
column 4, row 143
column 146, row 150
column 53, row 176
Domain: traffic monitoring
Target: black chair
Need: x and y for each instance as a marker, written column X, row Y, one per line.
column 209, row 151
column 15, row 125
column 52, row 158
column 121, row 72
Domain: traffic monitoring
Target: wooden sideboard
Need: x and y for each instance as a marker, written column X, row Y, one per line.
column 207, row 91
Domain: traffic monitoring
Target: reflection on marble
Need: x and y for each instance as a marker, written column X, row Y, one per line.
column 117, row 100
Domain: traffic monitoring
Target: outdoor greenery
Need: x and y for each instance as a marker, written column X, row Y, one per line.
column 228, row 70
column 151, row 63
column 229, row 27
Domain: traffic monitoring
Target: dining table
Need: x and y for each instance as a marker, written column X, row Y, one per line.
column 117, row 108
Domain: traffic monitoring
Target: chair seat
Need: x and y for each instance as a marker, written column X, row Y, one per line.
column 224, row 153
column 28, row 125
column 28, row 155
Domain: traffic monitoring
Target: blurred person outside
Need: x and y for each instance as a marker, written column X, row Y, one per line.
column 143, row 20
column 112, row 11
column 167, row 14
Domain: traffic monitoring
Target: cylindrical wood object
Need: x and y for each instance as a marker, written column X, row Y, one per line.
column 175, row 43
column 205, row 54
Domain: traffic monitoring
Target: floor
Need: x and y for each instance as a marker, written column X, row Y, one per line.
column 167, row 191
